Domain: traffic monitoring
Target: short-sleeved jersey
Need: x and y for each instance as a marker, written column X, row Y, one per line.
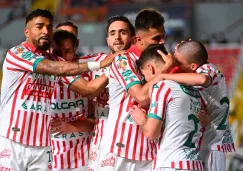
column 122, row 136
column 177, row 106
column 216, row 100
column 26, row 96
column 101, row 108
column 69, row 150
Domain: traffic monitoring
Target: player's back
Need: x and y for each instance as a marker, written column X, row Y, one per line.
column 217, row 104
column 177, row 146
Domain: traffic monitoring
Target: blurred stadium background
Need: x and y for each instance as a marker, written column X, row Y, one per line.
column 217, row 23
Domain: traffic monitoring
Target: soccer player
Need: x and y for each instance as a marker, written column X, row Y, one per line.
column 191, row 56
column 120, row 32
column 123, row 146
column 70, row 127
column 171, row 119
column 29, row 78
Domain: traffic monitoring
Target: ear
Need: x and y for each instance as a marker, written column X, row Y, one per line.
column 194, row 67
column 26, row 33
column 137, row 39
column 151, row 69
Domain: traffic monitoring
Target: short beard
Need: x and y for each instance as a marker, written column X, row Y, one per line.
column 43, row 47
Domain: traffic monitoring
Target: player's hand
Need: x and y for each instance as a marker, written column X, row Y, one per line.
column 109, row 59
column 203, row 118
column 61, row 127
column 169, row 61
column 138, row 115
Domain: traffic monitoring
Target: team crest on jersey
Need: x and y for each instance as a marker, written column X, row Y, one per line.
column 6, row 153
column 18, row 50
column 122, row 62
column 110, row 161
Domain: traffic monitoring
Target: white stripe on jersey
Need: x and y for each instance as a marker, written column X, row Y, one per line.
column 122, row 136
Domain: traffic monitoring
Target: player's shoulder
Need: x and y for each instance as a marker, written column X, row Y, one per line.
column 18, row 50
column 207, row 66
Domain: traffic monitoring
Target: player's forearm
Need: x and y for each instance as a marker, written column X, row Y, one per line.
column 151, row 134
column 189, row 79
column 97, row 85
column 61, row 68
column 85, row 125
column 140, row 94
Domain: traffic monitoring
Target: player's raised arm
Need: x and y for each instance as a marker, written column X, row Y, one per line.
column 63, row 68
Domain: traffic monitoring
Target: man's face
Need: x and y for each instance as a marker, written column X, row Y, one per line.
column 65, row 50
column 119, row 36
column 182, row 62
column 69, row 29
column 152, row 37
column 146, row 72
column 39, row 32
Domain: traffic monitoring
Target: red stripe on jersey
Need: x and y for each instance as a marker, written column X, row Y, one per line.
column 121, row 138
column 55, row 93
column 197, row 165
column 172, row 165
column 233, row 145
column 26, row 92
column 68, row 93
column 55, row 161
column 69, row 158
column 62, row 161
column 117, row 122
column 164, row 101
column 180, row 165
column 42, row 129
column 76, row 154
column 17, row 65
column 36, row 128
column 58, row 147
column 157, row 97
column 132, row 67
column 128, row 140
column 188, row 165
column 13, row 106
column 61, row 90
column 135, row 143
column 141, row 147
column 48, row 130
column 119, row 74
column 23, row 127
column 64, row 146
column 66, row 80
column 29, row 128
column 97, row 132
column 16, row 125
column 152, row 154
column 98, row 59
column 19, row 59
column 193, row 164
column 82, row 152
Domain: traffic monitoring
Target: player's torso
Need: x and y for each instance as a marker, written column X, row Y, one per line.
column 122, row 136
column 182, row 130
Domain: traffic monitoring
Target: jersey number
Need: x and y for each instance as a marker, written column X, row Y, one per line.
column 222, row 126
column 188, row 142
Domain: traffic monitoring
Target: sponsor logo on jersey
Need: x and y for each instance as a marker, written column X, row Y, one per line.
column 6, row 153
column 111, row 161
column 67, row 105
column 190, row 91
column 68, row 136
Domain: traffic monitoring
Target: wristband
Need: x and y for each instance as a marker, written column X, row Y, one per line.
column 93, row 66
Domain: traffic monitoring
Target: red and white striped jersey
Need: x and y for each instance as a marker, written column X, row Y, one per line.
column 177, row 106
column 216, row 100
column 69, row 150
column 121, row 135
column 100, row 102
column 26, row 97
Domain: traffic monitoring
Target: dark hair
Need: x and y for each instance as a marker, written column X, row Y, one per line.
column 150, row 53
column 67, row 23
column 194, row 51
column 148, row 18
column 120, row 18
column 60, row 35
column 39, row 12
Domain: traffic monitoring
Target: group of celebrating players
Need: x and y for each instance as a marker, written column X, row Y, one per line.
column 138, row 108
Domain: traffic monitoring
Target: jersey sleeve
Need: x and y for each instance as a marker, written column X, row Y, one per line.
column 20, row 58
column 207, row 70
column 91, row 57
column 123, row 69
column 161, row 95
